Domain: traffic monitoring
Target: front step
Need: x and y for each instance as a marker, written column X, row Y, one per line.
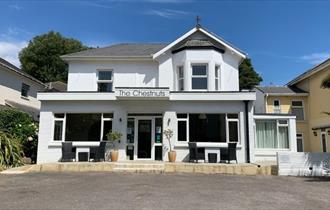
column 139, row 167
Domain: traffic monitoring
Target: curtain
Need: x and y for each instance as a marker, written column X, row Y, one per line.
column 283, row 138
column 266, row 134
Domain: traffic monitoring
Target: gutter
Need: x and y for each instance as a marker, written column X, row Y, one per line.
column 247, row 132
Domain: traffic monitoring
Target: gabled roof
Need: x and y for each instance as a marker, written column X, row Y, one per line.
column 309, row 72
column 120, row 50
column 207, row 33
column 281, row 90
column 16, row 70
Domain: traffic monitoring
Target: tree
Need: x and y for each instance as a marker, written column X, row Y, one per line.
column 248, row 77
column 326, row 82
column 41, row 58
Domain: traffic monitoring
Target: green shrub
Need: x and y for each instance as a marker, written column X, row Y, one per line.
column 21, row 126
column 10, row 151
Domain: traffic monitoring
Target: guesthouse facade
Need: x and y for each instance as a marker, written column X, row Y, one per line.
column 190, row 86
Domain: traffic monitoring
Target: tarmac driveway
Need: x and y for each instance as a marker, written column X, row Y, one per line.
column 161, row 191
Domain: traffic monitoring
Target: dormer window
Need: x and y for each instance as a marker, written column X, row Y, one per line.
column 105, row 81
column 180, row 77
column 199, row 77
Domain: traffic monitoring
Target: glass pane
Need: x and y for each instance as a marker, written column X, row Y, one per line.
column 130, row 130
column 107, row 115
column 107, row 127
column 283, row 122
column 276, row 103
column 266, row 134
column 83, row 127
column 105, row 75
column 300, row 147
column 181, row 115
column 158, row 131
column 298, row 112
column 233, row 131
column 181, row 83
column 105, row 87
column 182, row 130
column 59, row 115
column 58, row 130
column 324, row 143
column 232, row 116
column 199, row 83
column 296, row 103
column 217, row 71
column 199, row 70
column 216, row 84
column 283, row 137
column 180, row 72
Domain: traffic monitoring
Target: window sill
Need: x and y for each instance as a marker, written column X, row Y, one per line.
column 25, row 98
column 185, row 144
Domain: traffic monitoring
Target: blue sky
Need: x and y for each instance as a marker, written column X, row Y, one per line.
column 283, row 38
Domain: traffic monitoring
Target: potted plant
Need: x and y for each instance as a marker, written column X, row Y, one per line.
column 113, row 137
column 171, row 154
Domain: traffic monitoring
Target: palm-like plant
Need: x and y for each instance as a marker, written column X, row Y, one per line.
column 10, row 151
column 326, row 82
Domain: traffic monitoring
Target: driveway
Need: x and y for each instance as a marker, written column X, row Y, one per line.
column 161, row 191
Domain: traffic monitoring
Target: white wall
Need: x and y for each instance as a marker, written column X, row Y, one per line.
column 83, row 74
column 10, row 89
column 259, row 103
column 50, row 151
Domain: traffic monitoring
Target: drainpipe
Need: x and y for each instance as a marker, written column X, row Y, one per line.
column 247, row 133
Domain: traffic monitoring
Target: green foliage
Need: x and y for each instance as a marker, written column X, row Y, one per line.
column 41, row 58
column 10, row 151
column 113, row 137
column 248, row 77
column 21, row 126
column 169, row 134
column 326, row 82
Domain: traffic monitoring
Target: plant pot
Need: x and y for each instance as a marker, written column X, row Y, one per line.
column 114, row 155
column 171, row 156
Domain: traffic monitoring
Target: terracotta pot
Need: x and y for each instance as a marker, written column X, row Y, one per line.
column 172, row 156
column 114, row 155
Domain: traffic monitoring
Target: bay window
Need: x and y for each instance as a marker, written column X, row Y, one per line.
column 199, row 77
column 105, row 81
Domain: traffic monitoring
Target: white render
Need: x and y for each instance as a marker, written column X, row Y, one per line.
column 156, row 74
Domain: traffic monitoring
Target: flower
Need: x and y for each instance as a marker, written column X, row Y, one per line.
column 30, row 138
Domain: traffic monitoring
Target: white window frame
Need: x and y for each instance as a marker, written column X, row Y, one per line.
column 277, row 109
column 217, row 77
column 302, row 107
column 63, row 128
column 187, row 127
column 105, row 81
column 300, row 136
column 199, row 76
column 238, row 128
column 103, row 119
column 179, row 78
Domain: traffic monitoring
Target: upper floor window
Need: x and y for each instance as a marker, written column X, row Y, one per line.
column 180, row 78
column 105, row 81
column 199, row 77
column 25, row 90
column 217, row 85
column 297, row 109
column 277, row 106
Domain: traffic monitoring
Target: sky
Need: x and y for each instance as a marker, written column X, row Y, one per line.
column 282, row 38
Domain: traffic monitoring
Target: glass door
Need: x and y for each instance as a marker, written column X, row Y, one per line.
column 144, row 139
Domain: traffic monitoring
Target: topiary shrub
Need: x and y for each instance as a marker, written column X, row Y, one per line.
column 20, row 126
column 10, row 151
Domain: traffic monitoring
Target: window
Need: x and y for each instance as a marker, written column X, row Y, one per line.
column 277, row 106
column 105, row 81
column 83, row 127
column 217, row 85
column 272, row 134
column 180, row 78
column 25, row 90
column 158, row 130
column 106, row 125
column 300, row 142
column 297, row 109
column 199, row 77
column 58, row 127
column 183, row 128
column 323, row 142
column 233, row 131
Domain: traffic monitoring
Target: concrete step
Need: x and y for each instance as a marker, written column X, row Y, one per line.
column 139, row 170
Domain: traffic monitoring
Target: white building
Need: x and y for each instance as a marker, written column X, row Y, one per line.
column 19, row 89
column 190, row 86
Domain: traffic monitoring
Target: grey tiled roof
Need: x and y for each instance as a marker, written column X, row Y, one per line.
column 280, row 90
column 121, row 50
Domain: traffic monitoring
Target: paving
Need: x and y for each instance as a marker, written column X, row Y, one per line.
column 108, row 190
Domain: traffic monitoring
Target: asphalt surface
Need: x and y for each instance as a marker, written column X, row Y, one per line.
column 161, row 191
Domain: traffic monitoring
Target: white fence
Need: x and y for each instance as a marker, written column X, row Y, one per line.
column 303, row 164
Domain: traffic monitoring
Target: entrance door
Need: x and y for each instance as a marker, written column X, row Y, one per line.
column 144, row 139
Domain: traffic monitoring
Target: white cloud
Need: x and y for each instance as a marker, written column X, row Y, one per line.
column 9, row 51
column 316, row 58
column 15, row 7
column 167, row 13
